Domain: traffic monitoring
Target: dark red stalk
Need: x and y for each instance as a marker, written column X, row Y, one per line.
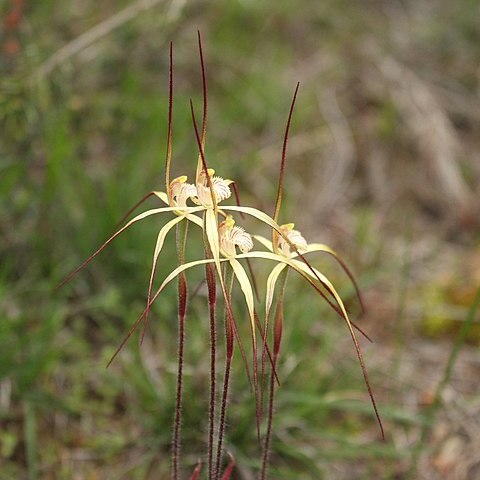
column 237, row 198
column 128, row 335
column 204, row 89
column 367, row 382
column 354, row 283
column 238, row 339
column 223, row 415
column 277, row 337
column 168, row 157
column 255, row 384
column 284, row 156
column 204, row 116
column 181, row 234
column 212, row 298
column 267, row 349
column 182, row 291
column 350, row 275
column 229, row 338
column 202, row 156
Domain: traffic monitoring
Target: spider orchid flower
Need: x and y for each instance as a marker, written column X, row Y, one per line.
column 291, row 237
column 180, row 191
column 220, row 187
column 290, row 247
column 232, row 236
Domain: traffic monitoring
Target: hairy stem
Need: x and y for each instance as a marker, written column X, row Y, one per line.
column 268, row 432
column 277, row 338
column 229, row 338
column 212, row 294
column 182, row 304
column 223, row 416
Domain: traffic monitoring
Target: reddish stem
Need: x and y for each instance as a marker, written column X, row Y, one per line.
column 268, row 433
column 229, row 338
column 210, row 275
column 182, row 290
column 277, row 338
column 223, row 416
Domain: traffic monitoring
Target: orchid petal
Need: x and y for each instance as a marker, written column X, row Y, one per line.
column 158, row 248
column 139, row 217
column 300, row 265
column 288, row 261
column 246, row 287
column 161, row 237
column 271, row 282
column 162, row 196
column 320, row 247
column 193, row 218
column 254, row 213
column 181, row 269
column 154, row 211
column 211, row 229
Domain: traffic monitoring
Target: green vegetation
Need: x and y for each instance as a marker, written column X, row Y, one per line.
column 83, row 136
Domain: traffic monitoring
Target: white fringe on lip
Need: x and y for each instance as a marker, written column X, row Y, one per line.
column 295, row 238
column 231, row 237
column 221, row 191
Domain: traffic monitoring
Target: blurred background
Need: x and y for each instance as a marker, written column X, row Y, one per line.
column 383, row 165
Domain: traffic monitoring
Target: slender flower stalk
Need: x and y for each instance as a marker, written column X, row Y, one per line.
column 182, row 230
column 229, row 339
column 277, row 338
column 212, row 298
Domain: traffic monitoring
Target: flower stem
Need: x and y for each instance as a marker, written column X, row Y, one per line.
column 223, row 415
column 229, row 338
column 277, row 338
column 181, row 234
column 268, row 433
column 211, row 285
